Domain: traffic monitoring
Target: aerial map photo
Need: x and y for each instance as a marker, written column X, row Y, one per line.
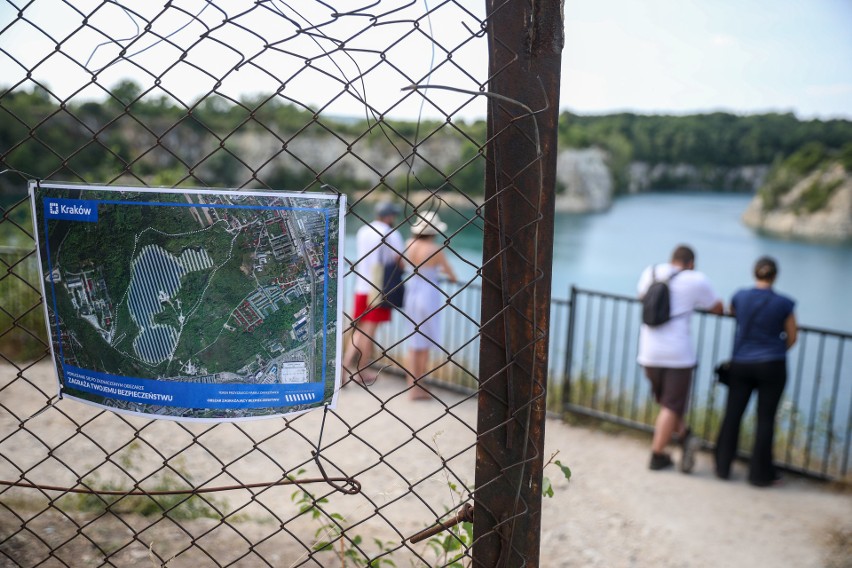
column 192, row 304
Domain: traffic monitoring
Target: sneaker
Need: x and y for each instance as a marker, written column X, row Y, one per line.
column 777, row 481
column 690, row 444
column 723, row 476
column 660, row 461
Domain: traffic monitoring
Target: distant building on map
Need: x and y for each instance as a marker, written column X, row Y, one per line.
column 294, row 372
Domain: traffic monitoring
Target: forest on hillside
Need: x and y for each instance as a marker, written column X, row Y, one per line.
column 134, row 138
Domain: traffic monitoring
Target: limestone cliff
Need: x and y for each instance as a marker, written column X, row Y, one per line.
column 817, row 207
column 365, row 162
column 642, row 176
column 585, row 178
column 584, row 181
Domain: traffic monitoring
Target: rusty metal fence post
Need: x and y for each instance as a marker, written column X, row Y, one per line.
column 516, row 273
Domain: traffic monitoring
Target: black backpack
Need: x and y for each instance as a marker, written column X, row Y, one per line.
column 393, row 287
column 656, row 304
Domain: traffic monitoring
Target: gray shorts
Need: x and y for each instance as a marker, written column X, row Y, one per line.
column 671, row 387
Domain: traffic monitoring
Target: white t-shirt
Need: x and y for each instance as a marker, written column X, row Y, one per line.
column 670, row 345
column 377, row 243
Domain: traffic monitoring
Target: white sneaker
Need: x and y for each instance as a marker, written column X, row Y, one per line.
column 691, row 444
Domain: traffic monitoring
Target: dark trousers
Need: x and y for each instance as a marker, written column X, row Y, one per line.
column 768, row 379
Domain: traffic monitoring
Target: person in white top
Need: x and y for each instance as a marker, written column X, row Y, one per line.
column 378, row 244
column 424, row 300
column 667, row 354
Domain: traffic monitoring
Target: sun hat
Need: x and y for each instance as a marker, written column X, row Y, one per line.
column 387, row 209
column 428, row 224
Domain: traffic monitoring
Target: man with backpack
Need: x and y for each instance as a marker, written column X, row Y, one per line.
column 379, row 243
column 670, row 292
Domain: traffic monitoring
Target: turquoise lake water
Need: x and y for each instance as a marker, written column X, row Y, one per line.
column 607, row 251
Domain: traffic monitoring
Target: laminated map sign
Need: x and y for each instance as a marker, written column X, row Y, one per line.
column 192, row 304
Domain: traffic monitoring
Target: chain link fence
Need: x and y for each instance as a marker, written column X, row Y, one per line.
column 383, row 102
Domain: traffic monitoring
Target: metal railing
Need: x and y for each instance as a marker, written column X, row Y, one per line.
column 593, row 372
column 813, row 429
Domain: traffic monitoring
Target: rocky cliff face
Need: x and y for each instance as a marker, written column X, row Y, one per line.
column 818, row 207
column 584, row 181
column 584, row 177
column 643, row 176
column 364, row 161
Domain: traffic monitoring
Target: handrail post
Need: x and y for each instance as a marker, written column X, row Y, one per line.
column 569, row 349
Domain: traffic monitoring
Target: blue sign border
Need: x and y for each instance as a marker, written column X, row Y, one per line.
column 183, row 394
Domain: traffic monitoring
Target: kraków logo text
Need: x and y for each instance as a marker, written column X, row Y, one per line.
column 72, row 209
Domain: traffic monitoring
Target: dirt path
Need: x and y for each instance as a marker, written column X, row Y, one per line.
column 613, row 513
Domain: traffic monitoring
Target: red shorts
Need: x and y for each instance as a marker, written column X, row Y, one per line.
column 363, row 313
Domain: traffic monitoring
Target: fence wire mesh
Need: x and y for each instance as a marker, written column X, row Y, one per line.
column 381, row 102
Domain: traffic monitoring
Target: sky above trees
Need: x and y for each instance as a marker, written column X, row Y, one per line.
column 743, row 56
column 653, row 56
